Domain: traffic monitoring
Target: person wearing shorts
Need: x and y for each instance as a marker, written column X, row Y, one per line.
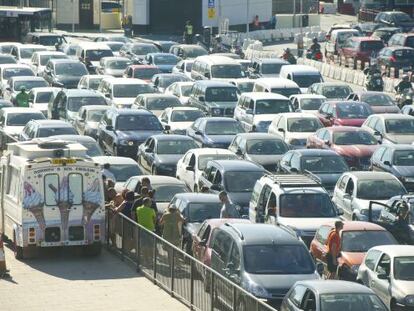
column 334, row 249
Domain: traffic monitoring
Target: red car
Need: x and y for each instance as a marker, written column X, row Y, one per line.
column 347, row 113
column 357, row 237
column 355, row 145
column 361, row 48
column 143, row 72
column 201, row 240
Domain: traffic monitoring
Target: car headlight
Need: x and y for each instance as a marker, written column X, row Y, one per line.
column 215, row 111
column 354, row 269
column 257, row 290
column 409, row 300
column 125, row 142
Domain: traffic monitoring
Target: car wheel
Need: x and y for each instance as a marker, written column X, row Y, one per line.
column 393, row 305
column 17, row 250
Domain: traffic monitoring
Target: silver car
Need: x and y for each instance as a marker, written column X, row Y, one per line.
column 389, row 271
column 113, row 66
column 330, row 295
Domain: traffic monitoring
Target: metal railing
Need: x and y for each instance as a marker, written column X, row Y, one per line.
column 178, row 273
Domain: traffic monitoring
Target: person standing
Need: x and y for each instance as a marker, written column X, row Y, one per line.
column 146, row 216
column 228, row 210
column 188, row 33
column 256, row 23
column 172, row 221
column 334, row 249
column 22, row 99
column 126, row 206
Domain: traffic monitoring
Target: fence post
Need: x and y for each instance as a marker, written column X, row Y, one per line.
column 123, row 237
column 212, row 292
column 155, row 260
column 191, row 284
column 234, row 298
column 138, row 245
column 172, row 270
column 108, row 220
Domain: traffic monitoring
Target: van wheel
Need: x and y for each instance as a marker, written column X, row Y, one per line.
column 17, row 250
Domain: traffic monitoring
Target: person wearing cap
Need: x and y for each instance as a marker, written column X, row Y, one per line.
column 228, row 210
column 333, row 243
column 22, row 99
column 404, row 84
column 172, row 221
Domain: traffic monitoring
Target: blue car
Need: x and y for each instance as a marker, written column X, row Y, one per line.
column 215, row 132
column 164, row 61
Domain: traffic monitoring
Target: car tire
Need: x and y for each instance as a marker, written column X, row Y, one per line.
column 17, row 250
column 393, row 305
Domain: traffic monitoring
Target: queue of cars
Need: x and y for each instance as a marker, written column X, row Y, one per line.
column 294, row 154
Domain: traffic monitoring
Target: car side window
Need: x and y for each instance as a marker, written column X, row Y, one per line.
column 327, row 136
column 384, row 265
column 221, row 244
column 350, row 187
column 370, row 122
column 372, row 258
column 342, row 182
column 235, row 257
column 264, row 197
column 212, row 174
column 378, row 154
column 295, row 162
column 309, row 301
column 322, row 234
column 217, row 178
column 296, row 296
column 379, row 127
column 387, row 156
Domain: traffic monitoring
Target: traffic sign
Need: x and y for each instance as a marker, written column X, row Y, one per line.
column 211, row 13
column 211, row 4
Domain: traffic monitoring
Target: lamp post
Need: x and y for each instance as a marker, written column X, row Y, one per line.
column 247, row 16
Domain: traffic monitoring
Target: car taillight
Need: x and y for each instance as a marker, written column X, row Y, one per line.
column 392, row 59
column 32, row 235
column 318, row 55
column 96, row 232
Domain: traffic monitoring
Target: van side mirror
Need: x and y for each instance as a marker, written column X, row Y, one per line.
column 249, row 111
column 294, row 170
column 340, row 211
column 207, row 75
column 107, row 95
column 387, row 163
column 216, row 187
column 327, row 142
column 201, row 98
column 383, row 276
column 109, row 128
column 189, row 168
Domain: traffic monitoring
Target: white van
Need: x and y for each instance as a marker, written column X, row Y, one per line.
column 304, row 76
column 280, row 86
column 210, row 67
column 52, row 196
column 94, row 51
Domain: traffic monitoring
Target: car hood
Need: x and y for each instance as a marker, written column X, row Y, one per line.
column 221, row 138
column 114, row 72
column 263, row 117
column 349, row 122
column 400, row 139
column 352, row 258
column 180, row 125
column 269, row 75
column 41, row 107
column 264, row 159
column 406, row 171
column 124, row 101
column 13, row 130
column 385, row 109
column 305, row 224
column 221, row 104
column 406, row 288
column 355, row 150
column 92, row 125
column 169, row 158
column 299, row 135
column 136, row 135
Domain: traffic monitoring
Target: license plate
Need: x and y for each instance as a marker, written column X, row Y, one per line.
column 63, row 161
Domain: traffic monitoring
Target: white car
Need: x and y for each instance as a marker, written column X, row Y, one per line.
column 180, row 118
column 8, row 71
column 307, row 102
column 91, row 81
column 295, row 127
column 180, row 89
column 24, row 52
column 184, row 67
column 40, row 59
column 115, row 46
column 192, row 164
column 39, row 97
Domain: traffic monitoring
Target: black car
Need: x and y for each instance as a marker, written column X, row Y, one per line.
column 64, row 73
column 160, row 153
column 398, row 57
column 385, row 33
column 121, row 131
column 195, row 207
column 397, row 159
column 395, row 19
column 325, row 165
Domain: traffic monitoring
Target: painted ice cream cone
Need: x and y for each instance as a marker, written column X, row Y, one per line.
column 34, row 203
column 92, row 200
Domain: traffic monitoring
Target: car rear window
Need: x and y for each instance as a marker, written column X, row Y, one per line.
column 410, row 42
column 403, row 54
column 371, row 45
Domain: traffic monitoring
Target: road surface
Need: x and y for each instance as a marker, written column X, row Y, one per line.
column 65, row 280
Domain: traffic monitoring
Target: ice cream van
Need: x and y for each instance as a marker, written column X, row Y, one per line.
column 51, row 195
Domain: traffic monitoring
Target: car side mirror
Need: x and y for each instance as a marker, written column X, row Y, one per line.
column 109, row 128
column 201, row 98
column 189, row 168
column 167, row 127
column 239, row 151
column 347, row 196
column 8, row 88
column 203, row 243
column 216, row 187
column 294, row 170
column 327, row 142
column 207, row 75
column 198, row 133
column 383, row 276
column 329, row 116
column 387, row 163
column 320, row 268
column 107, row 95
column 281, row 130
column 340, row 211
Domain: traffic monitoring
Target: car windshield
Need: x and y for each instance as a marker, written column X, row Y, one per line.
column 272, row 106
column 404, row 268
column 377, row 100
column 354, row 302
column 324, row 164
column 71, row 69
column 115, row 47
column 186, row 115
column 75, row 103
column 45, row 58
column 266, row 146
column 306, row 205
column 7, row 59
column 226, row 72
column 118, row 64
column 223, row 128
column 186, row 90
column 221, row 94
column 401, row 17
column 28, row 52
column 123, row 172
column 175, row 146
column 160, row 103
column 53, row 131
column 51, row 40
column 96, row 55
column 165, row 193
column 138, row 123
column 307, row 80
column 43, row 97
column 144, row 49
column 285, row 91
column 337, row 91
column 167, row 80
column 93, row 149
column 29, row 84
column 354, row 138
column 145, row 73
column 95, row 115
column 131, row 90
column 404, row 158
column 303, row 125
column 352, row 111
column 205, row 158
column 20, row 119
column 165, row 60
column 400, row 126
column 271, row 68
column 195, row 52
column 198, row 212
column 94, row 83
column 311, row 103
column 17, row 72
column 242, row 181
column 379, row 189
column 245, row 87
column 362, row 241
column 277, row 259
column 404, row 54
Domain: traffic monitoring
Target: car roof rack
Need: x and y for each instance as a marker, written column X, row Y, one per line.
column 239, row 233
column 295, row 180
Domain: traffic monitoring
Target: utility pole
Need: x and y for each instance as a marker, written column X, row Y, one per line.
column 247, row 16
column 100, row 15
column 73, row 15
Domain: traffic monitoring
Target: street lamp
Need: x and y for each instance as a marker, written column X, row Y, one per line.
column 247, row 16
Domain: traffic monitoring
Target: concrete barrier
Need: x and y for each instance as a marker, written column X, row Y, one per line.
column 337, row 73
column 331, row 71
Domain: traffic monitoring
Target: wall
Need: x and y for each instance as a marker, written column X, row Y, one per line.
column 139, row 10
column 236, row 11
column 64, row 12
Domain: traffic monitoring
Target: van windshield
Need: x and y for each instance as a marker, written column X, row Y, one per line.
column 20, row 119
column 306, row 205
column 131, row 90
column 272, row 106
column 160, row 103
column 226, row 71
column 271, row 68
column 96, row 55
column 75, row 103
column 286, row 91
column 221, row 94
column 71, row 69
column 43, row 97
column 29, row 84
column 145, row 73
column 17, row 72
column 306, row 80
column 311, row 103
